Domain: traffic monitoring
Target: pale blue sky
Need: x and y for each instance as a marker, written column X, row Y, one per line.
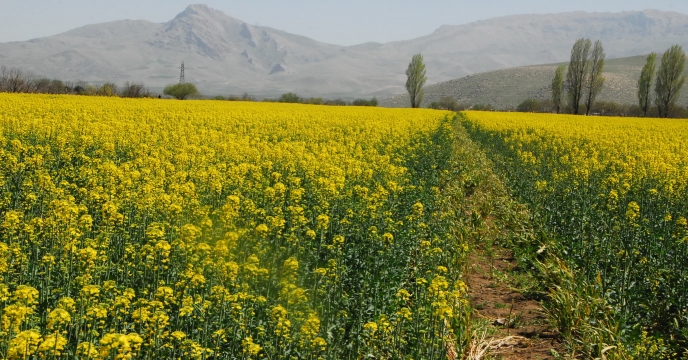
column 342, row 22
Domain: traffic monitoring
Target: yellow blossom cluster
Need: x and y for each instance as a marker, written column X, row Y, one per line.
column 203, row 229
column 615, row 192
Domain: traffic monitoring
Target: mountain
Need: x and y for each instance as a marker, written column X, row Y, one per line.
column 225, row 55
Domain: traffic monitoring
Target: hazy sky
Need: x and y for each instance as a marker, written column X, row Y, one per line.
column 342, row 22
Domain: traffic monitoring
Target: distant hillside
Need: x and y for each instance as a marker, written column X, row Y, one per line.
column 224, row 55
column 505, row 89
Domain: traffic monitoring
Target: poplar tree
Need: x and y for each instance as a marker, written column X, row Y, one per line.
column 416, row 80
column 595, row 79
column 647, row 76
column 578, row 69
column 670, row 79
column 558, row 87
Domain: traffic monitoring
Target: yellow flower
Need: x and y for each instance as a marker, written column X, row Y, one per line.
column 165, row 294
column 291, row 265
column 4, row 293
column 418, row 209
column 438, row 286
column 53, row 345
column 58, row 317
column 90, row 291
column 338, row 240
column 319, row 343
column 262, row 230
column 371, row 327
column 282, row 324
column 26, row 295
column 12, row 220
column 191, row 232
column 185, row 310
column 323, row 221
column 88, row 255
column 87, row 350
column 632, row 211
column 111, row 215
column 163, row 246
column 403, row 295
column 249, row 347
column 24, row 345
column 14, row 316
column 311, row 327
column 67, row 303
column 405, row 313
column 96, row 312
column 121, row 346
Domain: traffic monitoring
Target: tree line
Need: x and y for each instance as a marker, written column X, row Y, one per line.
column 14, row 80
column 668, row 83
column 294, row 98
column 581, row 82
column 584, row 79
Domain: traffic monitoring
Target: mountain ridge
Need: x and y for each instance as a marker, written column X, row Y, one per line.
column 225, row 55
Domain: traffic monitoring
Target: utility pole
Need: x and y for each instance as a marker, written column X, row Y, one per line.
column 181, row 76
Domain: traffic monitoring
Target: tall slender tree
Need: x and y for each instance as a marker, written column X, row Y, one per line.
column 558, row 87
column 670, row 79
column 647, row 76
column 416, row 80
column 578, row 69
column 595, row 79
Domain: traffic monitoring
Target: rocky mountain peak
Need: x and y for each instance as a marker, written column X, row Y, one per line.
column 205, row 16
column 200, row 11
column 202, row 30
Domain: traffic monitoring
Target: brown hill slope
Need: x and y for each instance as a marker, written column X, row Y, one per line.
column 505, row 89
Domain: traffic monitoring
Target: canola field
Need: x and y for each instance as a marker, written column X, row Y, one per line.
column 613, row 191
column 203, row 229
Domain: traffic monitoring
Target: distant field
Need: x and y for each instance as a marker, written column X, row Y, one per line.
column 505, row 89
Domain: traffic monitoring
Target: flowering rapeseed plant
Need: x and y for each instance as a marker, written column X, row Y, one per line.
column 615, row 190
column 157, row 229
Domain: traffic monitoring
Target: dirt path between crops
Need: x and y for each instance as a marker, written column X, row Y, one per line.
column 522, row 331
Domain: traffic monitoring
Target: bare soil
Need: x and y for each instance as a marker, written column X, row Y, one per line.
column 520, row 323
